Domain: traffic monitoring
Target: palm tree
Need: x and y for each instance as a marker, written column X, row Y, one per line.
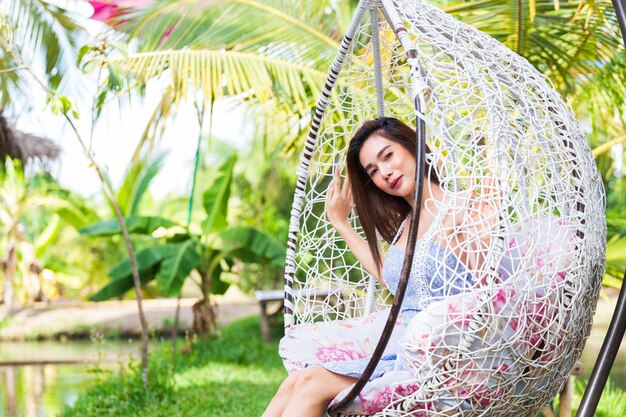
column 273, row 55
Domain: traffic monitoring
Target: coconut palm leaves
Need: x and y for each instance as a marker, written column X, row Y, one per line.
column 270, row 54
column 565, row 40
column 43, row 33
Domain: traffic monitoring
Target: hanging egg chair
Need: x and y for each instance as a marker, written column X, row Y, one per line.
column 498, row 132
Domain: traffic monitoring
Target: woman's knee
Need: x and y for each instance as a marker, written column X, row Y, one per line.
column 288, row 385
column 313, row 380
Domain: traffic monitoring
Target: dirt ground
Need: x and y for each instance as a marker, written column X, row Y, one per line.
column 80, row 319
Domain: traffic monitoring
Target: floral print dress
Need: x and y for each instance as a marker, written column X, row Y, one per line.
column 345, row 346
column 440, row 300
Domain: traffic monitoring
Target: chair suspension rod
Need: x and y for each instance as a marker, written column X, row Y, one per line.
column 606, row 357
column 378, row 74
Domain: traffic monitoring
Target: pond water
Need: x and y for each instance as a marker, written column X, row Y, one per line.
column 45, row 376
column 41, row 390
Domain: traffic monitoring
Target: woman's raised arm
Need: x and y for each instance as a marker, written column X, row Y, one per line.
column 339, row 203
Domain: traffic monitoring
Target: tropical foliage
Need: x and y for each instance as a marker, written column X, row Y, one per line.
column 35, row 216
column 275, row 67
column 175, row 251
column 204, row 51
column 269, row 58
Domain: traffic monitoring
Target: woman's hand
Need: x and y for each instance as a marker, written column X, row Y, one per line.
column 339, row 201
column 483, row 210
column 339, row 204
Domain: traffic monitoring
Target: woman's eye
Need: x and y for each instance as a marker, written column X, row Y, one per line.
column 372, row 172
column 388, row 156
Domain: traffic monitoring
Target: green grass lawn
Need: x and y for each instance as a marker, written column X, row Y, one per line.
column 232, row 376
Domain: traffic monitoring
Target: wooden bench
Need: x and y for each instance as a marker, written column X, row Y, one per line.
column 265, row 297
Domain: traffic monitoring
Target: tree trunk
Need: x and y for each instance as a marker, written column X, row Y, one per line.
column 204, row 318
column 565, row 398
column 205, row 310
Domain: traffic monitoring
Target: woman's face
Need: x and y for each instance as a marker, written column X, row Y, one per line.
column 389, row 165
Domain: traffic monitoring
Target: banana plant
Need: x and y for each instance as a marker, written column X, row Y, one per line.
column 175, row 253
column 23, row 200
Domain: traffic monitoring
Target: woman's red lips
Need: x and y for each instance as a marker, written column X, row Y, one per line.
column 396, row 183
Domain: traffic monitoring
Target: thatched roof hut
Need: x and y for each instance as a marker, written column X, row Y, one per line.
column 25, row 146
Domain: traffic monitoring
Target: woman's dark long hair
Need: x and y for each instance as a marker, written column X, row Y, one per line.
column 378, row 211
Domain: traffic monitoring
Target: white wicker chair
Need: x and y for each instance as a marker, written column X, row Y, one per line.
column 485, row 113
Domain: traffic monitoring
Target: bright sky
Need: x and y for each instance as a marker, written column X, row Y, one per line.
column 117, row 133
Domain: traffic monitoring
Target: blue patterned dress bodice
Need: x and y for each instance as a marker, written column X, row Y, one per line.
column 436, row 273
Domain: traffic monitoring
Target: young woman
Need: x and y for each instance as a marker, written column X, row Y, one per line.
column 324, row 359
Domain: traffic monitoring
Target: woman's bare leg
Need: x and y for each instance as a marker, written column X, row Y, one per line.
column 315, row 387
column 276, row 407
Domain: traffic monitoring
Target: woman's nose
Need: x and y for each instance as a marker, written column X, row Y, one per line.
column 385, row 172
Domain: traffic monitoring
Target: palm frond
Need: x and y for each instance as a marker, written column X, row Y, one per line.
column 220, row 73
column 43, row 33
column 298, row 31
column 605, row 147
column 10, row 81
column 566, row 42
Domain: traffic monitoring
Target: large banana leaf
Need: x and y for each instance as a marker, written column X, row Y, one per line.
column 253, row 245
column 170, row 263
column 215, row 198
column 177, row 264
column 218, row 286
column 48, row 236
column 148, row 262
column 135, row 224
column 146, row 258
column 217, row 262
column 121, row 274
column 136, row 181
column 118, row 287
column 73, row 211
